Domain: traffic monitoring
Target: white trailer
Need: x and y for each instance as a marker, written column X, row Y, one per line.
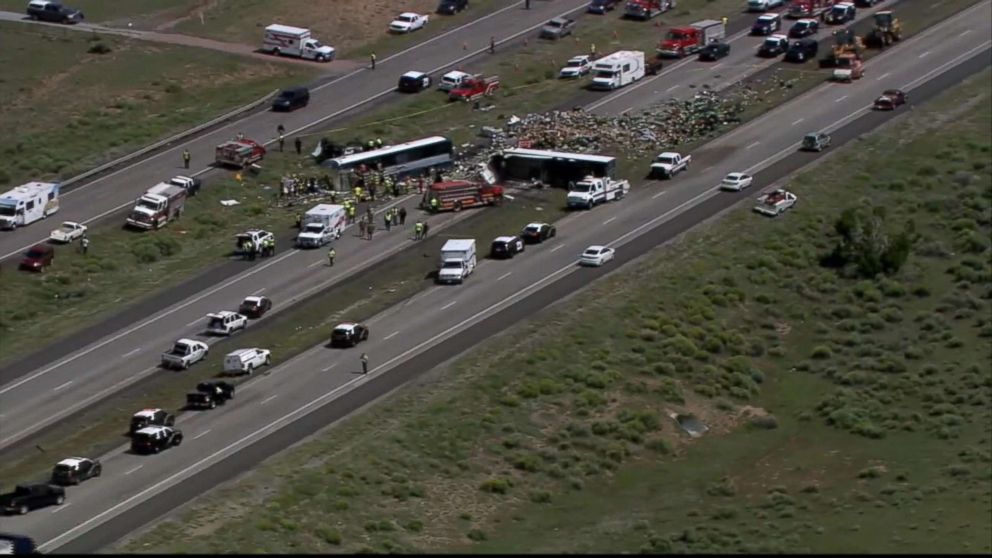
column 457, row 260
column 618, row 69
column 283, row 40
column 28, row 203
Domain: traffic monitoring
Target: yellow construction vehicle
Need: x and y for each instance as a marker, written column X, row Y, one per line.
column 845, row 42
column 887, row 30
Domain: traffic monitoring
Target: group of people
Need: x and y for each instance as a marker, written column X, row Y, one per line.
column 297, row 185
column 265, row 248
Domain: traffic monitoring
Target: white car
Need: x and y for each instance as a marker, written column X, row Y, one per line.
column 736, row 181
column 68, row 232
column 596, row 256
column 407, row 22
column 577, row 66
column 452, row 80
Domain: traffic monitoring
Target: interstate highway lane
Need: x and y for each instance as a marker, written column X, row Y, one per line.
column 119, row 189
column 321, row 375
column 55, row 389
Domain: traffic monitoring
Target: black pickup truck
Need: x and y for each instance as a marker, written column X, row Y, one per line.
column 209, row 394
column 29, row 497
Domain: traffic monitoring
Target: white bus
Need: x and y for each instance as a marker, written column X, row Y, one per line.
column 28, row 203
column 398, row 161
column 555, row 168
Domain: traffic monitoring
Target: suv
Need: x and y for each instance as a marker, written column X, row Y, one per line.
column 225, row 322
column 150, row 417
column 291, row 99
column 54, row 12
column 154, row 439
column 506, row 247
column 413, row 82
column 75, row 470
column 815, row 141
column 714, row 51
column 209, row 394
column 451, row 7
column 766, row 24
column 349, row 334
column 28, row 497
column 802, row 50
column 535, row 233
column 255, row 307
column 38, row 258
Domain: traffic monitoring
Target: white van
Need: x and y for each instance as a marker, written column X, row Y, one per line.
column 245, row 361
column 452, row 80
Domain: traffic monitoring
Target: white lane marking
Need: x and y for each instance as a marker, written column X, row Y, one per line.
column 270, row 398
column 883, row 76
column 390, row 336
column 194, row 322
column 924, row 54
column 610, row 220
column 753, row 145
column 129, row 353
column 504, row 276
column 150, row 321
column 258, row 292
column 965, row 32
column 715, row 66
column 671, row 88
column 840, row 99
column 449, row 305
column 559, row 247
column 62, row 507
column 315, row 264
column 133, row 470
column 63, row 386
column 658, row 195
column 201, row 434
column 798, row 121
column 329, row 367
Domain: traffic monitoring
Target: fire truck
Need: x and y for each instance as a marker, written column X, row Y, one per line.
column 646, row 9
column 474, row 87
column 456, row 195
column 239, row 153
column 809, row 8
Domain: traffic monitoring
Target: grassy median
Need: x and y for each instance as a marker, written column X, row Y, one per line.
column 847, row 412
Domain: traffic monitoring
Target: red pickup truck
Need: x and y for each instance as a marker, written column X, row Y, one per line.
column 474, row 87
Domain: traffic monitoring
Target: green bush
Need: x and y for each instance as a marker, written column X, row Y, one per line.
column 496, row 486
column 476, row 535
column 99, row 48
column 328, row 535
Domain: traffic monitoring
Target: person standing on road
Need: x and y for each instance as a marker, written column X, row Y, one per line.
column 361, row 227
column 387, row 219
column 186, row 158
column 282, row 142
column 84, row 244
column 298, row 143
column 427, row 228
column 724, row 20
column 526, row 4
column 418, row 230
column 372, row 59
column 492, row 45
column 365, row 363
column 331, row 254
column 402, row 214
column 371, row 229
column 280, row 129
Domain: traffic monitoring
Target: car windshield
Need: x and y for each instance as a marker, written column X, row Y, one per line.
column 452, row 265
column 8, row 211
column 677, row 35
column 574, row 63
column 581, row 187
column 35, row 254
column 665, row 160
column 607, row 73
column 314, row 228
column 592, row 252
column 770, row 42
column 63, row 469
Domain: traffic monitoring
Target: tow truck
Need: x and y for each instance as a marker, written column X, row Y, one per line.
column 776, row 202
column 474, row 87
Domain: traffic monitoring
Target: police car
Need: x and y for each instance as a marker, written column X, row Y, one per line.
column 506, row 246
column 151, row 417
column 154, row 439
column 349, row 334
column 414, row 82
column 75, row 470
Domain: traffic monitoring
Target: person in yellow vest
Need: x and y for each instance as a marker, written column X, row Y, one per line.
column 378, row 143
column 592, row 51
column 435, row 204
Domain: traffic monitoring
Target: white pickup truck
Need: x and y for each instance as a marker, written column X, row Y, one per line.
column 776, row 202
column 185, row 353
column 668, row 164
column 255, row 236
column 591, row 191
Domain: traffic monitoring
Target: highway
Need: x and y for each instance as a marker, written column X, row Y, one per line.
column 48, row 391
column 117, row 190
column 273, row 411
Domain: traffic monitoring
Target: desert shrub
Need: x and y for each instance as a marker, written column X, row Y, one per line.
column 99, row 48
column 496, row 486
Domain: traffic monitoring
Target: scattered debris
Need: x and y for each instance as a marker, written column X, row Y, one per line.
column 692, row 425
column 229, row 203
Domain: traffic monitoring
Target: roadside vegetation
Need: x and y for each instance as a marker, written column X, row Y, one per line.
column 848, row 410
column 88, row 99
column 100, row 11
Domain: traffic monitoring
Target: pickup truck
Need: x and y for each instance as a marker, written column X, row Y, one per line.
column 557, row 28
column 668, row 164
column 591, row 191
column 256, row 236
column 28, row 497
column 776, row 202
column 474, row 87
column 185, row 353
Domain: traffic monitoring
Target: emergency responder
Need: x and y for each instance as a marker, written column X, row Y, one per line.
column 352, row 210
column 387, row 219
column 435, row 205
column 362, row 224
column 371, row 145
column 299, row 220
column 724, row 20
column 365, row 363
column 298, row 143
column 331, row 254
column 186, row 158
column 372, row 60
column 357, row 191
column 282, row 142
column 378, row 143
column 271, row 246
column 241, row 136
column 418, row 231
column 427, row 228
column 250, row 250
column 371, row 229
column 592, row 50
column 372, row 190
column 402, row 214
column 369, row 214
column 280, row 129
column 84, row 244
column 492, row 45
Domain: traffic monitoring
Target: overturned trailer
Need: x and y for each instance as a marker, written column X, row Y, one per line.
column 554, row 168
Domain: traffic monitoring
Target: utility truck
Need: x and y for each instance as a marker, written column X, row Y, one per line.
column 618, row 69
column 668, row 164
column 28, row 203
column 591, row 191
column 682, row 41
column 457, row 260
column 158, row 206
column 283, row 40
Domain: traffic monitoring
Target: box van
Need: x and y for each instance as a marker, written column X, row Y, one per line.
column 245, row 361
column 291, row 99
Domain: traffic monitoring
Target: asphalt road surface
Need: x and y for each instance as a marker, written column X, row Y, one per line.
column 41, row 390
column 291, row 402
column 119, row 189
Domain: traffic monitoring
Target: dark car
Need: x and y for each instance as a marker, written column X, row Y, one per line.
column 29, row 497
column 451, row 7
column 773, row 46
column 349, row 334
column 291, row 99
column 815, row 141
column 840, row 13
column 413, row 82
column 17, row 544
column 804, row 28
column 538, row 232
column 153, row 439
column 714, row 51
column 53, row 12
column 601, row 6
column 255, row 307
column 150, row 417
column 506, row 247
column 210, row 394
column 802, row 50
column 890, row 99
column 75, row 470
column 38, row 257
column 766, row 24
